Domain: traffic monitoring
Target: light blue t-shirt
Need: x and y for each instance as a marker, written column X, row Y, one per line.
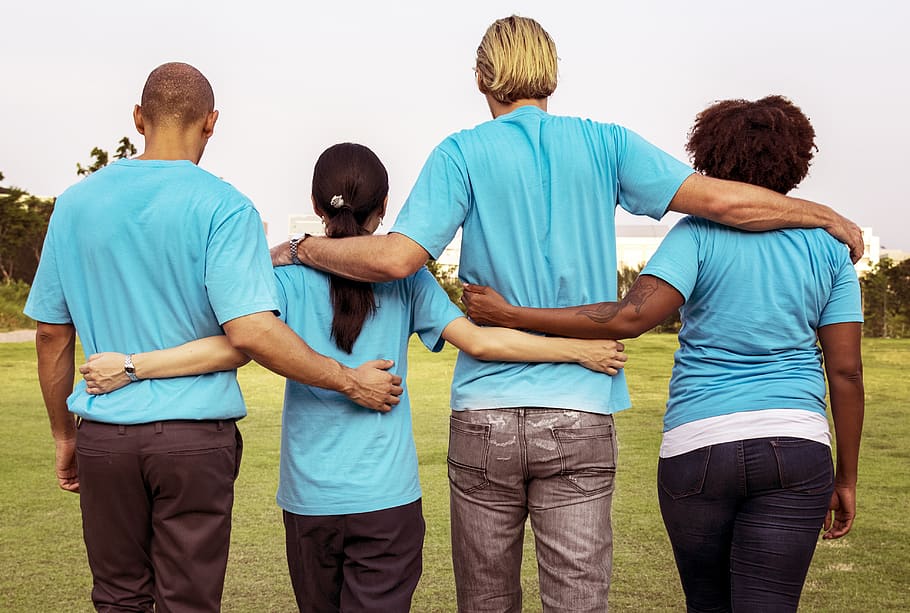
column 753, row 304
column 145, row 255
column 338, row 457
column 536, row 196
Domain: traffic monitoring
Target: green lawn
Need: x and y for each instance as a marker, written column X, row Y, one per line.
column 42, row 560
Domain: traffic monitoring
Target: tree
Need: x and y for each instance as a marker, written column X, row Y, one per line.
column 886, row 299
column 447, row 277
column 23, row 224
column 101, row 158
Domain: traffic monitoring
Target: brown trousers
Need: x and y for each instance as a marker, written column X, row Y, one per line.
column 156, row 512
column 357, row 563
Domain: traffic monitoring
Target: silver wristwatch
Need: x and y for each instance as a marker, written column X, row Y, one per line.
column 295, row 241
column 129, row 369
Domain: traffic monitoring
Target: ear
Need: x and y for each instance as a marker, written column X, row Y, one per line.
column 208, row 128
column 385, row 204
column 137, row 119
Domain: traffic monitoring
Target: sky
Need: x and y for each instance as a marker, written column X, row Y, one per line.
column 291, row 79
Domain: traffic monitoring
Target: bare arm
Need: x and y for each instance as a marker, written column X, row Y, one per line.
column 104, row 373
column 844, row 369
column 266, row 339
column 504, row 345
column 749, row 207
column 648, row 302
column 56, row 348
column 373, row 258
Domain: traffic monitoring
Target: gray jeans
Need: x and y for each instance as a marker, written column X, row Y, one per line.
column 557, row 466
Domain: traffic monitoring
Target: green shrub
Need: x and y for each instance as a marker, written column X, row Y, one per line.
column 12, row 301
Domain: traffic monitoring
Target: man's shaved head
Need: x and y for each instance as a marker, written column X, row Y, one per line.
column 177, row 95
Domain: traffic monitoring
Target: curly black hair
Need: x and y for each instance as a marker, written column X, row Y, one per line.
column 769, row 142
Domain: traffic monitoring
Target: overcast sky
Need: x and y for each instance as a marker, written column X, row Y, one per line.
column 291, row 79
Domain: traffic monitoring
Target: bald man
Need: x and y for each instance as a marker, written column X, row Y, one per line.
column 155, row 461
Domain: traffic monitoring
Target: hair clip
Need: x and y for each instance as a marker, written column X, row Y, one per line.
column 337, row 202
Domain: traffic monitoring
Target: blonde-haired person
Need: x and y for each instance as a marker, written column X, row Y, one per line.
column 535, row 195
column 349, row 485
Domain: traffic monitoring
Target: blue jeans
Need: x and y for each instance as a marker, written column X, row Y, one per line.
column 744, row 518
column 555, row 465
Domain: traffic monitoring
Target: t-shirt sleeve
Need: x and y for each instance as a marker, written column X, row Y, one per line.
column 648, row 176
column 433, row 310
column 282, row 281
column 238, row 271
column 845, row 302
column 676, row 260
column 437, row 205
column 46, row 301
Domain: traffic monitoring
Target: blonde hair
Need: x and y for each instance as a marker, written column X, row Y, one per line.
column 516, row 60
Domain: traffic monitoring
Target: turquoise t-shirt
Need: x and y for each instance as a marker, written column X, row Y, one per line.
column 753, row 304
column 535, row 195
column 145, row 255
column 338, row 457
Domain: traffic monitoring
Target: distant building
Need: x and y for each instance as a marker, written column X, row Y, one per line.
column 872, row 252
column 309, row 223
column 635, row 244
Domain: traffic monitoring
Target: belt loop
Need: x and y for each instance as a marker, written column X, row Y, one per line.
column 121, row 429
column 159, row 427
column 220, row 425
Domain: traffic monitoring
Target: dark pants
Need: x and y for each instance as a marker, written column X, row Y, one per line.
column 156, row 512
column 356, row 562
column 744, row 518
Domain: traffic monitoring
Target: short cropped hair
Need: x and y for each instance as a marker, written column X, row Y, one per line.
column 176, row 94
column 516, row 60
column 769, row 142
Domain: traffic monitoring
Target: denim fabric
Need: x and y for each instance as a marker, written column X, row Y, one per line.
column 156, row 512
column 555, row 465
column 744, row 518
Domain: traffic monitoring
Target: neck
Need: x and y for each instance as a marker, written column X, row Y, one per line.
column 173, row 145
column 500, row 108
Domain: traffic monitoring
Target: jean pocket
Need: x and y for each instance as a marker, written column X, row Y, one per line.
column 684, row 475
column 469, row 445
column 803, row 465
column 588, row 457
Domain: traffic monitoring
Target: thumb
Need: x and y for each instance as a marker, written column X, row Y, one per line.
column 380, row 364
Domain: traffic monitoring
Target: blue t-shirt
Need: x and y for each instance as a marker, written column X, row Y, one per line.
column 536, row 196
column 145, row 255
column 753, row 304
column 338, row 457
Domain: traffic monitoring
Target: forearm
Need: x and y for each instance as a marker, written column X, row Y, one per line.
column 648, row 302
column 205, row 355
column 268, row 341
column 364, row 258
column 56, row 348
column 847, row 408
column 505, row 345
column 748, row 207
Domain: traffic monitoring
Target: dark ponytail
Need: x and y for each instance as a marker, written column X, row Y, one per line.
column 349, row 185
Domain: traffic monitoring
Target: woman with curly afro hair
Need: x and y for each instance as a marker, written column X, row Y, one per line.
column 745, row 477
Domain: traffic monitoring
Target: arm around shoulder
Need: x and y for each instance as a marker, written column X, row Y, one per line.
column 754, row 208
column 373, row 258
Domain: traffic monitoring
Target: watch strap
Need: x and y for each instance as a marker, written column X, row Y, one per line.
column 129, row 369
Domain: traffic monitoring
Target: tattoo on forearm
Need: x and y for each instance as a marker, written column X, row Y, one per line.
column 644, row 288
column 600, row 313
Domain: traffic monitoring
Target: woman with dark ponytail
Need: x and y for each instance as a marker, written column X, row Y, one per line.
column 349, row 482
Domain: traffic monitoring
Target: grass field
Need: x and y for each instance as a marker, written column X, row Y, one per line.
column 42, row 560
